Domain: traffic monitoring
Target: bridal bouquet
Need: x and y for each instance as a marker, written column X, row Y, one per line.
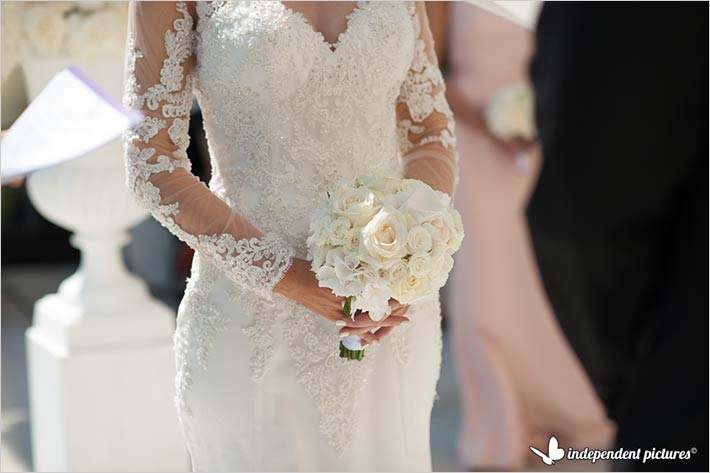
column 375, row 238
column 509, row 113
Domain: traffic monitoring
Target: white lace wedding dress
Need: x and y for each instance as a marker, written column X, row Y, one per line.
column 259, row 383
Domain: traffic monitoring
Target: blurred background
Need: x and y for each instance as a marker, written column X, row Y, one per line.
column 509, row 378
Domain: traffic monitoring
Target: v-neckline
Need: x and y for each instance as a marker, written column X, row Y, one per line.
column 332, row 48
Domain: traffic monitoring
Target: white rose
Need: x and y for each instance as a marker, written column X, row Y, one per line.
column 446, row 229
column 352, row 241
column 437, row 255
column 440, row 277
column 411, row 289
column 448, row 265
column 439, row 228
column 457, row 232
column 356, row 204
column 509, row 113
column 338, row 231
column 456, row 218
column 418, row 240
column 384, row 238
column 420, row 264
column 397, row 272
column 45, row 29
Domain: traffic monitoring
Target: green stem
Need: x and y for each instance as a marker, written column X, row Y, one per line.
column 345, row 352
column 346, row 306
column 351, row 354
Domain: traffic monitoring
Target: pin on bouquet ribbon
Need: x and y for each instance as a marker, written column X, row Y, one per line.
column 376, row 238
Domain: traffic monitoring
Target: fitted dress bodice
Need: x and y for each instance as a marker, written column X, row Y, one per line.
column 286, row 116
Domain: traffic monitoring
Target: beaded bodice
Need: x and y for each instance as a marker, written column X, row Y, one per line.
column 286, row 116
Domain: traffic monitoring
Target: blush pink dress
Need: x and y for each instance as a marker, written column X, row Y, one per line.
column 520, row 381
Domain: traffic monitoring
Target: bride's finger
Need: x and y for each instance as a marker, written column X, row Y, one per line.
column 399, row 309
column 361, row 319
column 381, row 333
column 396, row 305
column 364, row 321
column 387, row 323
column 393, row 321
column 367, row 338
column 345, row 331
column 390, row 321
column 378, row 335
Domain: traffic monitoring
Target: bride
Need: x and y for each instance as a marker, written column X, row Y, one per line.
column 295, row 96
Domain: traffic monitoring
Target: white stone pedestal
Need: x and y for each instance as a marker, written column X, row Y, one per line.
column 102, row 407
column 101, row 381
column 99, row 353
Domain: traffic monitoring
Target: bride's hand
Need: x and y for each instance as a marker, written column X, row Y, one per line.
column 363, row 326
column 300, row 284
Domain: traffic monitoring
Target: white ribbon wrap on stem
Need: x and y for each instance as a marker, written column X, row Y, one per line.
column 352, row 342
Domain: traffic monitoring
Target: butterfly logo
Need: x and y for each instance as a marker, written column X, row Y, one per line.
column 554, row 452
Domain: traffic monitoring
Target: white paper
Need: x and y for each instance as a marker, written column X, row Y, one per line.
column 69, row 118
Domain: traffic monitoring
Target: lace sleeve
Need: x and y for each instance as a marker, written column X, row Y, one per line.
column 159, row 63
column 424, row 120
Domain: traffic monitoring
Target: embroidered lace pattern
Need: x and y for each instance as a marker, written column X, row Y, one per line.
column 256, row 263
column 286, row 116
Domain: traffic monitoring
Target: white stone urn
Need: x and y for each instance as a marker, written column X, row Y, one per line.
column 89, row 197
column 100, row 360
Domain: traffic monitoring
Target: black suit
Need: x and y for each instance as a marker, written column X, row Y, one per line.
column 619, row 218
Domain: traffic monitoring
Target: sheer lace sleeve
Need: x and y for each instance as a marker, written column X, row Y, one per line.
column 424, row 120
column 159, row 63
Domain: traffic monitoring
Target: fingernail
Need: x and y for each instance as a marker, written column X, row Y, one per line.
column 406, row 322
column 343, row 334
column 340, row 323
